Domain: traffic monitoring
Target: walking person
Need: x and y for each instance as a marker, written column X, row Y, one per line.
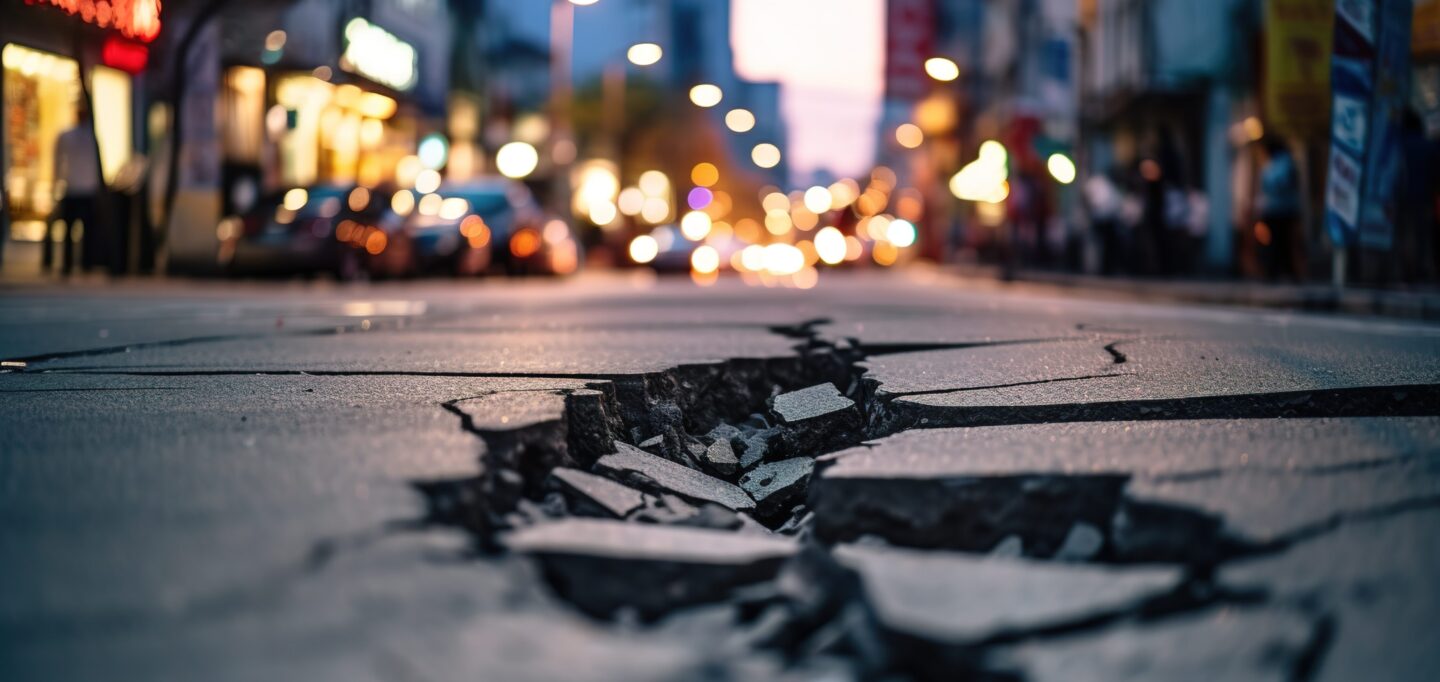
column 1103, row 203
column 77, row 185
column 1279, row 209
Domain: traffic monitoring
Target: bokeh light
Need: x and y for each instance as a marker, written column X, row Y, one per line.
column 830, row 245
column 775, row 201
column 296, row 199
column 705, row 174
column 454, row 208
column 817, row 199
column 909, row 135
column 631, row 201
column 705, row 259
column 739, row 120
column 655, row 210
column 516, row 160
column 1061, row 168
column 900, row 232
column 706, row 95
column 885, row 254
column 695, row 225
column 984, row 179
column 644, row 54
column 427, row 181
column 402, row 202
column 654, row 183
column 644, row 249
column 699, row 198
column 765, row 155
column 602, row 213
column 942, row 69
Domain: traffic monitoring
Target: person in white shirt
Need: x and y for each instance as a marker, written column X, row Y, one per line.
column 77, row 184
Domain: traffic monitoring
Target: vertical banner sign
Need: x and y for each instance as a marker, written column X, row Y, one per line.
column 1379, row 207
column 1352, row 68
column 909, row 41
column 1298, row 37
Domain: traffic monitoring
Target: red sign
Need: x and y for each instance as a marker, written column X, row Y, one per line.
column 126, row 55
column 909, row 40
column 137, row 19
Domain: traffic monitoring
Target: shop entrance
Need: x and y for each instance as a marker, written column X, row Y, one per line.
column 40, row 94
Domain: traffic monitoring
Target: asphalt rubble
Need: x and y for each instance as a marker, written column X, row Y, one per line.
column 742, row 487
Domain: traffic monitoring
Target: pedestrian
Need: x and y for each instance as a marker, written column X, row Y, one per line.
column 1279, row 208
column 1102, row 203
column 77, row 186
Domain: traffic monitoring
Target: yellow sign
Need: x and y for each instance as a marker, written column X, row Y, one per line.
column 1425, row 35
column 1298, row 35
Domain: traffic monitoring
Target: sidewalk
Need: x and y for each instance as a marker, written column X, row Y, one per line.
column 1417, row 305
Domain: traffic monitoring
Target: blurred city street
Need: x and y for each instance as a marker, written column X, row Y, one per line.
column 1006, row 340
column 616, row 477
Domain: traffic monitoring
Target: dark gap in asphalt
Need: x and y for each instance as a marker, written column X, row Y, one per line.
column 1115, row 352
column 92, row 389
column 1058, row 380
column 358, row 327
column 1306, row 666
column 1410, row 400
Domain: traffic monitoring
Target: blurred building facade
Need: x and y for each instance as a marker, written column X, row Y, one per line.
column 1174, row 108
column 293, row 94
column 56, row 57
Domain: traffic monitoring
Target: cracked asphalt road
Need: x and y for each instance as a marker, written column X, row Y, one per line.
column 616, row 479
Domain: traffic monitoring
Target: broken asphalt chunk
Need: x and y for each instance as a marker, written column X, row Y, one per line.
column 646, row 471
column 720, row 458
column 1223, row 644
column 595, row 495
column 776, row 485
column 951, row 599
column 819, row 417
column 945, row 500
column 604, row 567
column 816, row 402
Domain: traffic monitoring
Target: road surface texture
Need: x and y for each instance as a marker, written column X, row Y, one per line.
column 613, row 479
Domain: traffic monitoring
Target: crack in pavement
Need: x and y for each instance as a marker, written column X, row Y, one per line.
column 712, row 417
column 508, row 494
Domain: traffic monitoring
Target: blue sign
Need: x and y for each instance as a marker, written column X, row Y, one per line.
column 1369, row 75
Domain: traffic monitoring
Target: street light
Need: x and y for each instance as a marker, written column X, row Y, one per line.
column 516, row 160
column 706, row 95
column 739, row 120
column 583, row 3
column 942, row 69
column 765, row 155
column 644, row 54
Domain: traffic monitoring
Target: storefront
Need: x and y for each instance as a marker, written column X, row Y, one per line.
column 46, row 50
column 316, row 117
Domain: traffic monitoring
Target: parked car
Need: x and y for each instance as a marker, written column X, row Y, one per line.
column 304, row 230
column 486, row 225
column 454, row 230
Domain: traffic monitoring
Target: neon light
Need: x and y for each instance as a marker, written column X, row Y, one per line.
column 377, row 54
column 125, row 55
column 137, row 19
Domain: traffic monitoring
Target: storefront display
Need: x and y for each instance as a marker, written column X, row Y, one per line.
column 329, row 133
column 41, row 95
column 41, row 90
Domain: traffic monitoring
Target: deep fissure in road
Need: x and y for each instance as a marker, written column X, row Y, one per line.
column 735, row 446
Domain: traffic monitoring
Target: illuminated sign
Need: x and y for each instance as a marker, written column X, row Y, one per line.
column 125, row 55
column 137, row 19
column 377, row 54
